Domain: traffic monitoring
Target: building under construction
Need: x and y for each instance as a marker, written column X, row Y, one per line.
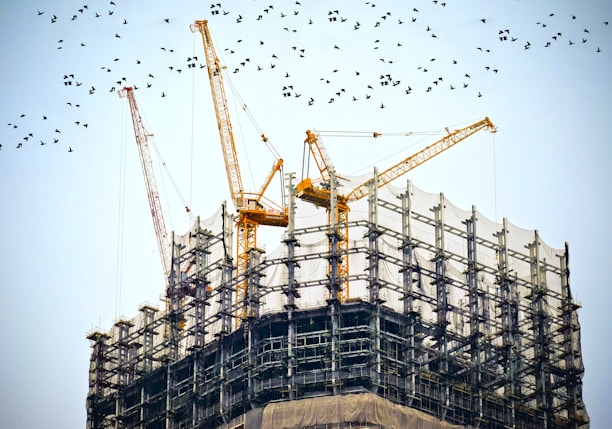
column 431, row 316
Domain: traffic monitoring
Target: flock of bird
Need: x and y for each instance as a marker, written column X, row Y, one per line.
column 282, row 42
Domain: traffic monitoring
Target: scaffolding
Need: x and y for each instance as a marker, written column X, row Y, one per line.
column 466, row 320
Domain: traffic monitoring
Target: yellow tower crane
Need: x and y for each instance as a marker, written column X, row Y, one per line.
column 253, row 209
column 319, row 192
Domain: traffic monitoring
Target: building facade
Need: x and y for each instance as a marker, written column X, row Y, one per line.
column 452, row 320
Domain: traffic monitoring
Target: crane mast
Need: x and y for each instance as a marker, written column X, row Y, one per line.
column 319, row 154
column 320, row 195
column 252, row 209
column 142, row 141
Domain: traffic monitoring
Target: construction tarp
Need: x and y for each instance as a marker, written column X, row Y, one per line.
column 366, row 409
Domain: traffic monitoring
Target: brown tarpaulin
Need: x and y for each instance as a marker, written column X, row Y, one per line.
column 353, row 408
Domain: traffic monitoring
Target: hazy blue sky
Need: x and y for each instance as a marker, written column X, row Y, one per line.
column 77, row 246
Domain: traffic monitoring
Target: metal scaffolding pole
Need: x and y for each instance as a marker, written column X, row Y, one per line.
column 291, row 292
column 476, row 335
column 509, row 320
column 334, row 286
column 540, row 323
column 374, row 283
column 441, row 308
column 227, row 289
column 409, row 269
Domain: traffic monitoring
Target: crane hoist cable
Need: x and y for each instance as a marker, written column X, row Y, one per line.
column 173, row 182
column 243, row 105
column 161, row 161
column 249, row 115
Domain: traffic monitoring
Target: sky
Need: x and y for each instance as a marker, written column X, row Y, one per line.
column 78, row 247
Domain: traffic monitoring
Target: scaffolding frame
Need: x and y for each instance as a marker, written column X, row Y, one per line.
column 469, row 340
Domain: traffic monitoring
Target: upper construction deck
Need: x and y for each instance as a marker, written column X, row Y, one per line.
column 466, row 319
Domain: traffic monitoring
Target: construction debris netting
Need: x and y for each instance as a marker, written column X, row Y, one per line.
column 423, row 204
column 436, row 227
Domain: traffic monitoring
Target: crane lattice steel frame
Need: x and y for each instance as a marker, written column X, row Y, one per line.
column 252, row 209
column 142, row 141
column 338, row 208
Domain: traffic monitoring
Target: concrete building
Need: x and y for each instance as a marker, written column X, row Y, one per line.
column 452, row 320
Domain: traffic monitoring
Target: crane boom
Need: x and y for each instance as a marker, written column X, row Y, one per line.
column 277, row 167
column 221, row 110
column 424, row 155
column 142, row 141
column 319, row 154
